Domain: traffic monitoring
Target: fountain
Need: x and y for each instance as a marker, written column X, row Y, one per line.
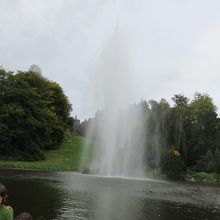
column 116, row 131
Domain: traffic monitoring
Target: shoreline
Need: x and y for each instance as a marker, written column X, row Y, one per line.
column 191, row 180
column 67, row 158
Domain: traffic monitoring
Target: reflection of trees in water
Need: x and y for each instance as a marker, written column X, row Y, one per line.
column 43, row 200
column 47, row 196
column 64, row 196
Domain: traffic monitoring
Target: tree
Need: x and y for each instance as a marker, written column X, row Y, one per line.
column 171, row 164
column 33, row 116
column 35, row 68
column 176, row 125
column 59, row 103
column 156, row 130
column 201, row 127
column 180, row 100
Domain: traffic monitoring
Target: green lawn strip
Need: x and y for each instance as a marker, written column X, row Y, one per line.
column 206, row 177
column 66, row 158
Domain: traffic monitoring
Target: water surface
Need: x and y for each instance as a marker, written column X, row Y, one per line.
column 67, row 195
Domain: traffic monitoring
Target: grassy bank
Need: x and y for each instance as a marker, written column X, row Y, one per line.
column 203, row 177
column 66, row 158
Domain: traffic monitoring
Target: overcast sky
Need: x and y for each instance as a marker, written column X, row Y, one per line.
column 173, row 45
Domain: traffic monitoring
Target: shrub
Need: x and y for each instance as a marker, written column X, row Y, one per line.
column 217, row 161
column 210, row 162
column 171, row 164
column 206, row 177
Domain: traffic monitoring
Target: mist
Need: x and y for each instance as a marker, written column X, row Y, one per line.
column 118, row 125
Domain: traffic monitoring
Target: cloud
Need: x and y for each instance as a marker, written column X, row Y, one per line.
column 173, row 44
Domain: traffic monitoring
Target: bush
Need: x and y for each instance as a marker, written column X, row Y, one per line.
column 217, row 161
column 172, row 165
column 210, row 162
column 206, row 177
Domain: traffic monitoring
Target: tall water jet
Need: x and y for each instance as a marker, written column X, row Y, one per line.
column 117, row 129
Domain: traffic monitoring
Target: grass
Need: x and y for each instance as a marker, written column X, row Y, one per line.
column 66, row 158
column 206, row 177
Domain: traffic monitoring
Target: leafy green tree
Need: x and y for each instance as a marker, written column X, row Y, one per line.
column 164, row 123
column 180, row 100
column 210, row 162
column 176, row 125
column 201, row 128
column 206, row 163
column 59, row 102
column 33, row 115
column 156, row 130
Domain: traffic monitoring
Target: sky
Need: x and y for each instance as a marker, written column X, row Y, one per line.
column 173, row 45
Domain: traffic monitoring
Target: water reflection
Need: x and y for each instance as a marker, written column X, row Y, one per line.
column 71, row 196
column 41, row 198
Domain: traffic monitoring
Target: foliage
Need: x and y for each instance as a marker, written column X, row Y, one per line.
column 171, row 164
column 192, row 128
column 35, row 68
column 33, row 115
column 180, row 100
column 65, row 158
column 201, row 126
column 209, row 162
column 206, row 177
column 80, row 128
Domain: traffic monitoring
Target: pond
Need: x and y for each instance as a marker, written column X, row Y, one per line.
column 68, row 195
